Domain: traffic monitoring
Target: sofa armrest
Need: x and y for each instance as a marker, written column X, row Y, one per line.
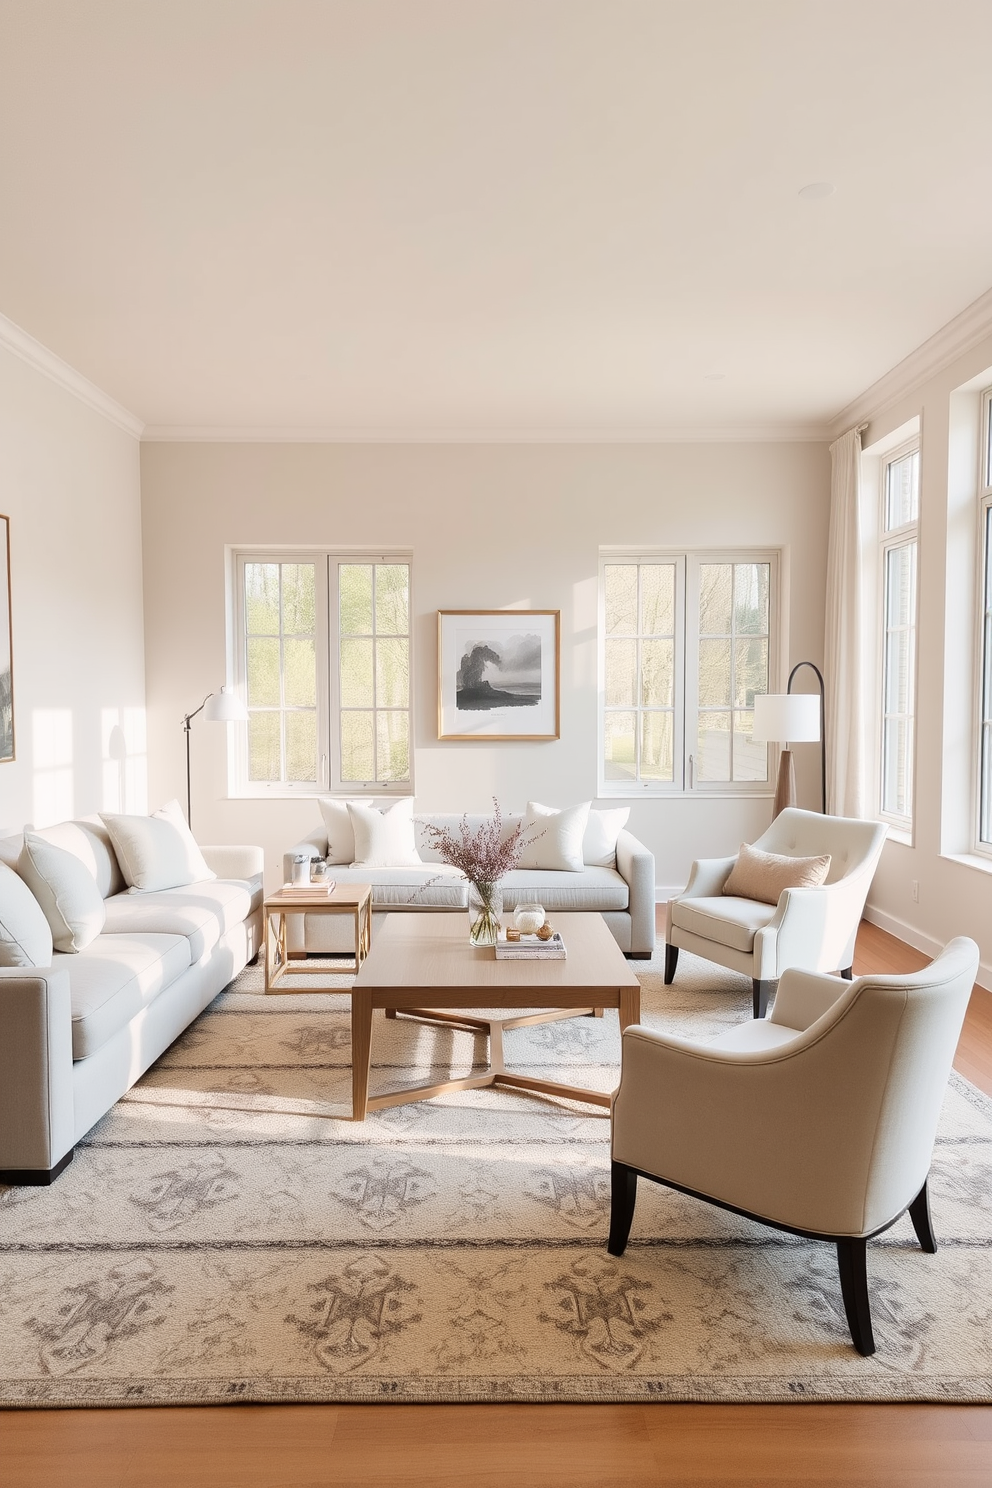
column 635, row 864
column 37, row 1120
column 234, row 862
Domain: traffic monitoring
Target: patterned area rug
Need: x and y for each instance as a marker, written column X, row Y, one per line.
column 225, row 1234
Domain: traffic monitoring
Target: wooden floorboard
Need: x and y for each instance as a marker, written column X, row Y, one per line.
column 527, row 1446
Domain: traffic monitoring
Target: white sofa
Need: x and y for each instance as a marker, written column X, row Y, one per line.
column 74, row 1036
column 624, row 894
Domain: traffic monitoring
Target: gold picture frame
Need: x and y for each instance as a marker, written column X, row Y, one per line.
column 497, row 670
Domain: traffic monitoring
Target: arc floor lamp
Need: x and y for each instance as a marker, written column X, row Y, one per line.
column 792, row 718
column 217, row 707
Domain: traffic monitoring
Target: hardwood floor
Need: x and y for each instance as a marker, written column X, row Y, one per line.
column 528, row 1446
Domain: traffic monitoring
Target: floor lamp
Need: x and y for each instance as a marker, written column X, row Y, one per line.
column 217, row 707
column 796, row 718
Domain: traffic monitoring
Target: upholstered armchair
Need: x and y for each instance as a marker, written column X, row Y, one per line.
column 818, row 1120
column 811, row 928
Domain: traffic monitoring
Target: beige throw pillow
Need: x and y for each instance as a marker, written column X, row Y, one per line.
column 157, row 851
column 340, row 832
column 25, row 934
column 763, row 875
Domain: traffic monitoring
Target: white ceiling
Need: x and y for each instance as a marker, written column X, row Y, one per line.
column 491, row 218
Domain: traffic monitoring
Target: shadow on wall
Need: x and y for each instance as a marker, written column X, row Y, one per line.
column 123, row 754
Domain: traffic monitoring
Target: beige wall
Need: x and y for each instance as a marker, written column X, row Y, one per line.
column 954, row 886
column 488, row 526
column 69, row 481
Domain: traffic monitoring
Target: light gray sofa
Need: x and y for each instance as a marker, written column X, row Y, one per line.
column 624, row 894
column 76, row 1035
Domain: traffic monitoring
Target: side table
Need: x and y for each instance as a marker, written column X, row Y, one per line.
column 346, row 899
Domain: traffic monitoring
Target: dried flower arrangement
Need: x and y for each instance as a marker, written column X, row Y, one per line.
column 485, row 856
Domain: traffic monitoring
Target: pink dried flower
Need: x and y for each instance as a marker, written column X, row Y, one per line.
column 485, row 855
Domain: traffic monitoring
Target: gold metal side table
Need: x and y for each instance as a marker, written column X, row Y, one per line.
column 344, row 899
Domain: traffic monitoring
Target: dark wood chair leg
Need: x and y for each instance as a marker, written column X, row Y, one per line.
column 919, row 1213
column 852, row 1264
column 671, row 961
column 848, row 973
column 761, row 992
column 623, row 1196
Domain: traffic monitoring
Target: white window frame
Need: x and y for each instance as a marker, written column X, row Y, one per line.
column 983, row 690
column 327, row 648
column 688, row 562
column 907, row 535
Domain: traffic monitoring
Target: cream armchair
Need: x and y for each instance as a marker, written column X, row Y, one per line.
column 814, row 929
column 819, row 1120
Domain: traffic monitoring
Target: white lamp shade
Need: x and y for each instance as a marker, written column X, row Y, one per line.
column 225, row 707
column 786, row 718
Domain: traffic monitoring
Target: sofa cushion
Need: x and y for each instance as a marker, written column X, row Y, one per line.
column 158, row 851
column 66, row 890
column 552, row 838
column 340, row 832
column 89, row 841
column 425, row 842
column 25, row 934
column 436, row 886
column 725, row 920
column 113, row 978
column 592, row 889
column 384, row 839
column 599, row 845
column 201, row 912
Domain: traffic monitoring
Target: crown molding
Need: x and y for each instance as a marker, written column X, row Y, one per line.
column 953, row 340
column 236, row 434
column 16, row 340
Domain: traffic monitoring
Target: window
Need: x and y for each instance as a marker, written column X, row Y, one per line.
column 900, row 495
column 686, row 644
column 985, row 696
column 323, row 661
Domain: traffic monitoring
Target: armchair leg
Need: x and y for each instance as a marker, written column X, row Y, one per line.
column 852, row 1264
column 762, row 991
column 848, row 973
column 671, row 961
column 919, row 1213
column 623, row 1196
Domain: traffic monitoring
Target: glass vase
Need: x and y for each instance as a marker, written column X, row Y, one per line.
column 485, row 911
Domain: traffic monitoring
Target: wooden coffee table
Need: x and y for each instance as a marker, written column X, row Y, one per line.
column 421, row 964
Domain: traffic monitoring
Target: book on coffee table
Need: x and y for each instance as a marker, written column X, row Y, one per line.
column 531, row 948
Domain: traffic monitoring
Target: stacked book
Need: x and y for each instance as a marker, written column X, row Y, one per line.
column 308, row 890
column 530, row 948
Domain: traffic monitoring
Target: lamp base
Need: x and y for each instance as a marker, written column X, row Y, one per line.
column 785, row 789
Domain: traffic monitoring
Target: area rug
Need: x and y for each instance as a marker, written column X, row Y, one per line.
column 227, row 1234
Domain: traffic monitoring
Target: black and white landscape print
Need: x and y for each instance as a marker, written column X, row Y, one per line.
column 498, row 674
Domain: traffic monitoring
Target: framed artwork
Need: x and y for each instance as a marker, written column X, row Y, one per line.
column 6, row 669
column 498, row 674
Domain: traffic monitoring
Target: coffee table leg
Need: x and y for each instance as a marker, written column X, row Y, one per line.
column 361, row 1055
column 630, row 1006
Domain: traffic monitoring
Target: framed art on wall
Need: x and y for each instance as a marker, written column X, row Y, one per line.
column 6, row 667
column 498, row 674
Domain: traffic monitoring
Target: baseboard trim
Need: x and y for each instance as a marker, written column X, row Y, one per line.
column 919, row 940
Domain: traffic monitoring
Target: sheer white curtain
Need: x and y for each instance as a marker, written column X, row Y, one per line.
column 843, row 637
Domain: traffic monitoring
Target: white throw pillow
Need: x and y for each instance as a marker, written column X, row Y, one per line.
column 384, row 839
column 599, row 845
column 340, row 832
column 556, row 837
column 66, row 891
column 25, row 935
column 157, row 851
